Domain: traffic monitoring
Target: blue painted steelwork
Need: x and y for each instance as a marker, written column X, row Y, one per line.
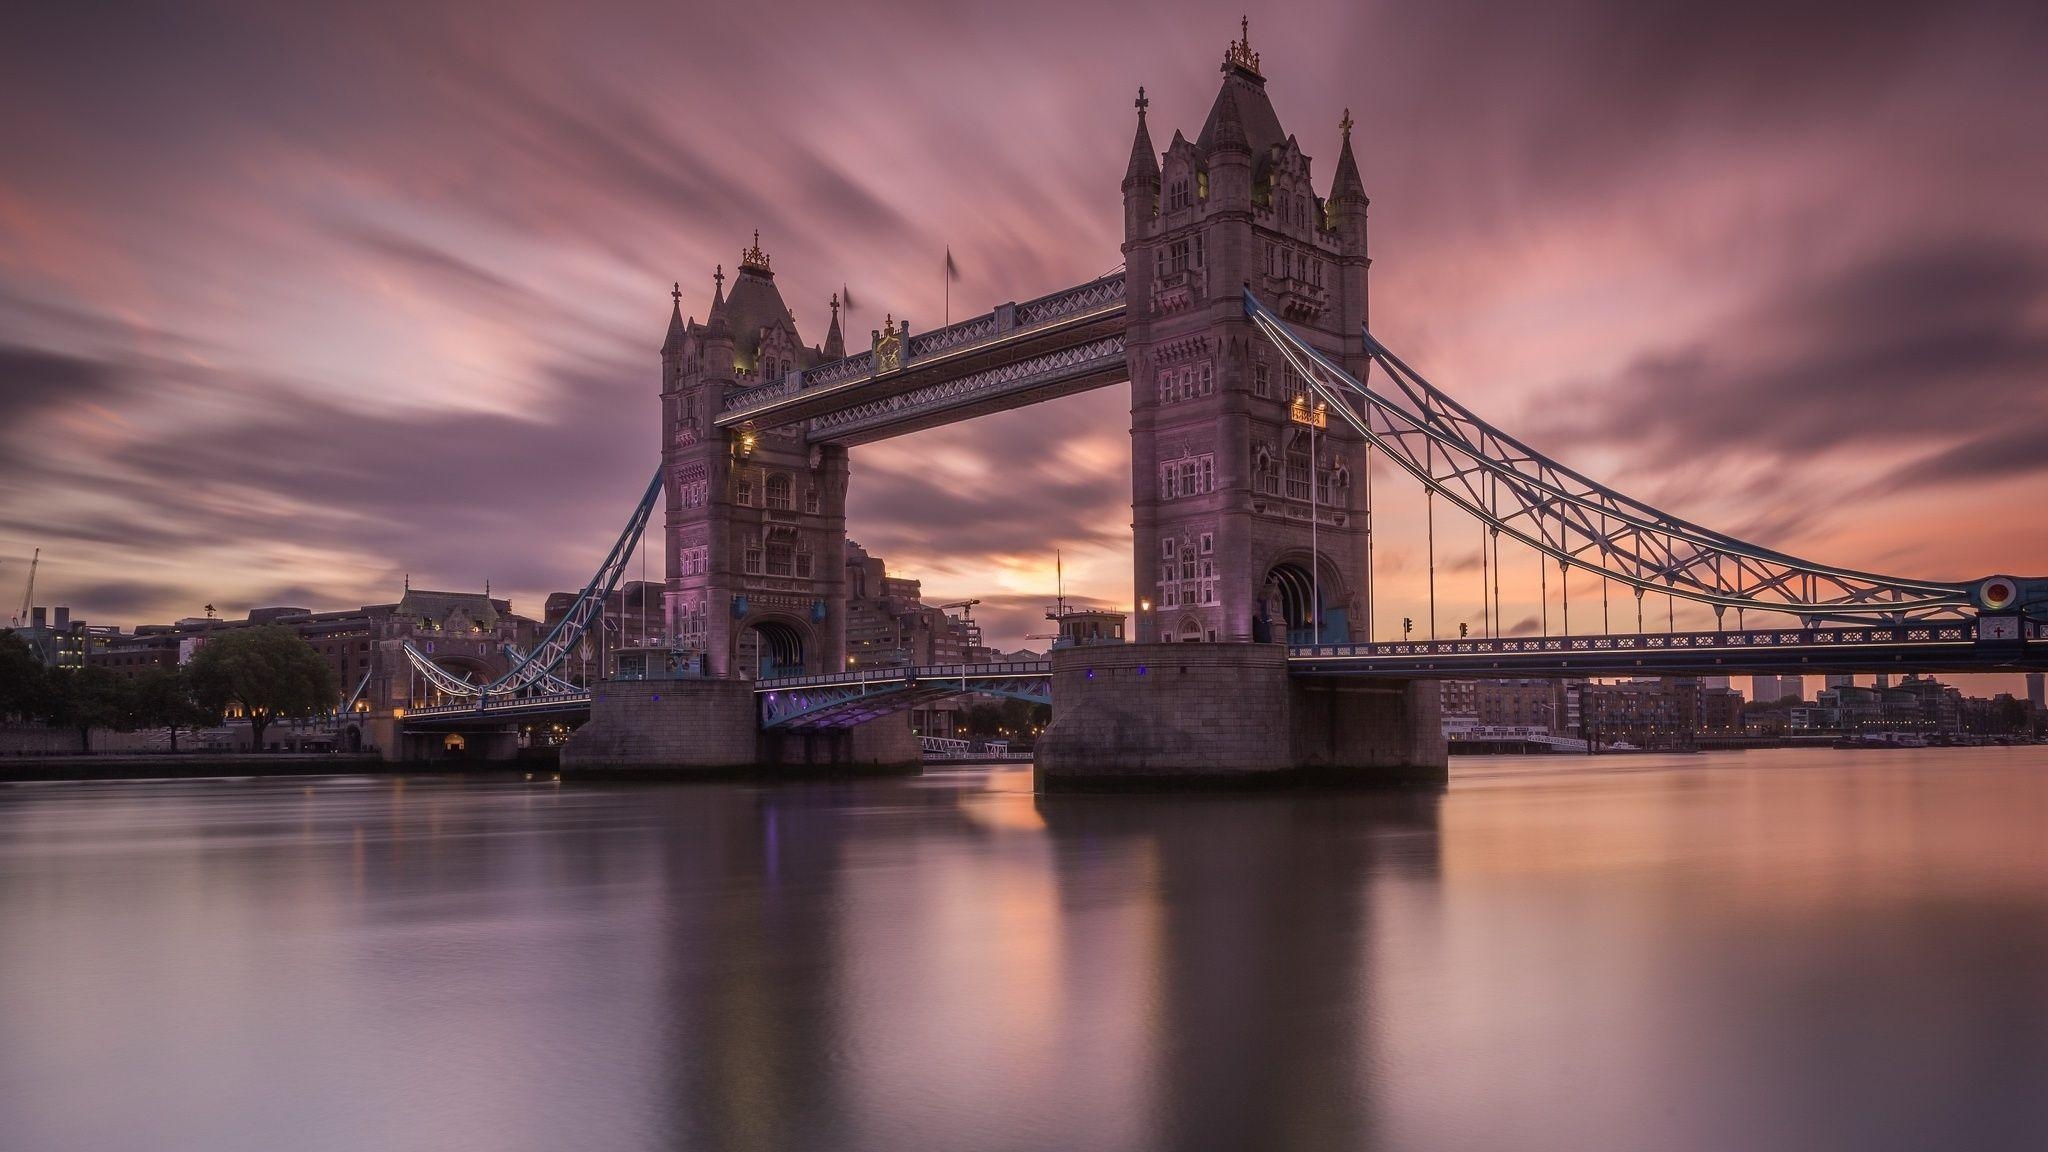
column 1921, row 646
column 535, row 671
column 843, row 699
column 1516, row 490
column 560, row 704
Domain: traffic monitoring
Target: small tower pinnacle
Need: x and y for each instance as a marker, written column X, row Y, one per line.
column 677, row 330
column 753, row 258
column 835, row 342
column 1144, row 165
column 1347, row 189
column 1240, row 55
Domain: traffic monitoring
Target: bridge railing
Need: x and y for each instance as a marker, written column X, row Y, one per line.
column 1962, row 632
column 488, row 704
column 899, row 673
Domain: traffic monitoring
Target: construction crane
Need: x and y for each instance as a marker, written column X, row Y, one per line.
column 967, row 618
column 28, row 597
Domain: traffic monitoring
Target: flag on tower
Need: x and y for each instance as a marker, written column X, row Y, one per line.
column 952, row 274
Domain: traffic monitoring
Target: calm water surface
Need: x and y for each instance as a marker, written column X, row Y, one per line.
column 1777, row 950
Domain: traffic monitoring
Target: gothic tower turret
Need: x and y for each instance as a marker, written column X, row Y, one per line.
column 1346, row 212
column 1141, row 175
column 1231, row 462
column 756, row 517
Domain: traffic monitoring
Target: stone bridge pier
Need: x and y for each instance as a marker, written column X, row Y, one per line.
column 1129, row 716
column 712, row 726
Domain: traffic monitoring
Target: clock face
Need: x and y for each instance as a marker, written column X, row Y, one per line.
column 1998, row 628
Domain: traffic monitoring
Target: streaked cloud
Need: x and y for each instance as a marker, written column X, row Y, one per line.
column 297, row 301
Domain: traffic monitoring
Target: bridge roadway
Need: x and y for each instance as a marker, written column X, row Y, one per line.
column 843, row 699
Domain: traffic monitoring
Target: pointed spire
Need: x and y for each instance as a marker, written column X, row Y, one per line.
column 1230, row 135
column 715, row 320
column 1144, row 165
column 1347, row 187
column 676, row 328
column 835, row 343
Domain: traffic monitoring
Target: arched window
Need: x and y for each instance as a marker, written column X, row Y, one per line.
column 781, row 551
column 778, row 491
column 1297, row 469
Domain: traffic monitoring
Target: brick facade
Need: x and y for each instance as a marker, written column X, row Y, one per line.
column 1223, row 483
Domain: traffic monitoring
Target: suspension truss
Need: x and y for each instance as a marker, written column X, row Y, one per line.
column 534, row 672
column 1579, row 523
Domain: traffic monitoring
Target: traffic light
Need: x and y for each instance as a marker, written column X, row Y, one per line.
column 1407, row 626
column 1462, row 629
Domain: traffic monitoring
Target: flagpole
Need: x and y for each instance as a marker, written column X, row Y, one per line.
column 949, row 285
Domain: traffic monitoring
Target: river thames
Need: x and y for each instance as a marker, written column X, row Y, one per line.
column 1771, row 950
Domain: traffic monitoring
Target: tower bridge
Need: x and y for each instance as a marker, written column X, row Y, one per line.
column 1240, row 322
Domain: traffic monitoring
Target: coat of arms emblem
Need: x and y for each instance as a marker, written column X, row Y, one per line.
column 888, row 347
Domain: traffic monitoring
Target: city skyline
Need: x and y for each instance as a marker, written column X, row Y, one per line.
column 300, row 305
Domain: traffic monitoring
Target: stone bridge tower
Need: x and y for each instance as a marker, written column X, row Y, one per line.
column 755, row 538
column 1226, row 469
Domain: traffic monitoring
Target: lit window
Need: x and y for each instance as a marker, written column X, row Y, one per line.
column 1297, row 470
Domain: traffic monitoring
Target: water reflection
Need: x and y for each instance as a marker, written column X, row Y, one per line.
column 1256, row 1007
column 1701, row 953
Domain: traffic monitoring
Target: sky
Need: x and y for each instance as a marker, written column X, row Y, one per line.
column 299, row 301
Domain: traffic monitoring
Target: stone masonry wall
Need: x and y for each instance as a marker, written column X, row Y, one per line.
column 1196, row 715
column 1387, row 731
column 654, row 724
column 1165, row 711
